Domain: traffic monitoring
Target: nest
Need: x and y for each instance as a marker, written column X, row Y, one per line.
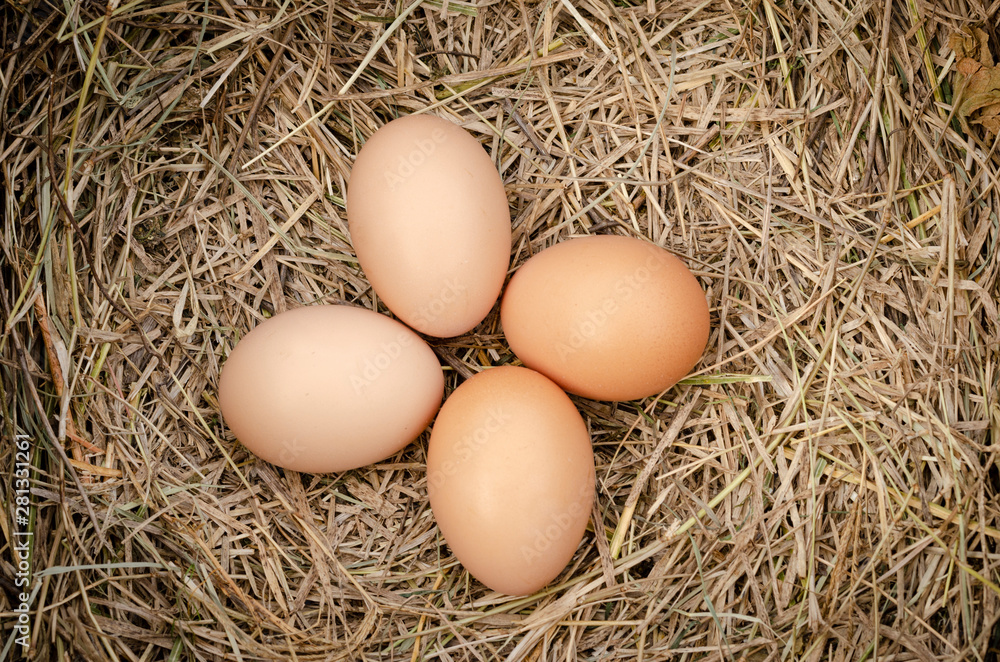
column 823, row 486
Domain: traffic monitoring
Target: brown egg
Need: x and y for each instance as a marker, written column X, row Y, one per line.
column 329, row 388
column 430, row 224
column 510, row 475
column 606, row 317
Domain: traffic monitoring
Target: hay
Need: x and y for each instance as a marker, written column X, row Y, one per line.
column 172, row 174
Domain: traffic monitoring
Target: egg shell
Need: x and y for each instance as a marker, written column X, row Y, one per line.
column 510, row 476
column 329, row 388
column 606, row 317
column 430, row 224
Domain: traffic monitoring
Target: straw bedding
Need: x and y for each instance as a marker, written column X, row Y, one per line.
column 822, row 487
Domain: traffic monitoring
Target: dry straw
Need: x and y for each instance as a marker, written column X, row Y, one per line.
column 823, row 487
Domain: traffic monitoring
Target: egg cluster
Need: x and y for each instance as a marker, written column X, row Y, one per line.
column 510, row 467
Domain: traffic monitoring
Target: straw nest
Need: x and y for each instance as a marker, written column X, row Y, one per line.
column 822, row 487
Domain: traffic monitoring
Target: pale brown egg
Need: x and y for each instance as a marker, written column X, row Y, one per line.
column 329, row 388
column 429, row 222
column 510, row 475
column 606, row 317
